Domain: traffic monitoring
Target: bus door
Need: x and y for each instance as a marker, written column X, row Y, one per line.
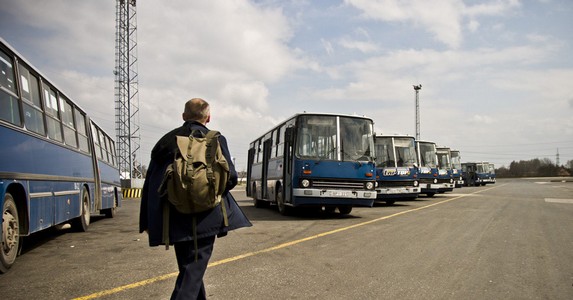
column 287, row 164
column 250, row 162
column 267, row 145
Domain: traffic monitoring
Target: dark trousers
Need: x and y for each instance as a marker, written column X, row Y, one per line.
column 189, row 284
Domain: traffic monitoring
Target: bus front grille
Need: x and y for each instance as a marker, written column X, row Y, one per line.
column 325, row 184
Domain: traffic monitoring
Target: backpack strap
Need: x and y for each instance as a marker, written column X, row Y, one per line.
column 166, row 224
column 212, row 139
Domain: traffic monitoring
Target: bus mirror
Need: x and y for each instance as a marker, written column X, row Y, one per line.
column 289, row 134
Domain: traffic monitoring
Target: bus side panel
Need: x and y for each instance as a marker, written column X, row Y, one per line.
column 50, row 170
column 256, row 174
column 26, row 154
column 274, row 175
column 109, row 181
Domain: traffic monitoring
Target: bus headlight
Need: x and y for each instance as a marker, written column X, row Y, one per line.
column 451, row 180
column 369, row 185
column 435, row 180
column 305, row 183
column 416, row 183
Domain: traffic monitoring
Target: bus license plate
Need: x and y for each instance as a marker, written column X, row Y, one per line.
column 339, row 194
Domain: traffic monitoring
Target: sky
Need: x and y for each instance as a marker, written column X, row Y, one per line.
column 495, row 74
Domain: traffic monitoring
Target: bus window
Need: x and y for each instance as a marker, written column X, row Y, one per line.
column 104, row 147
column 68, row 122
column 33, row 116
column 384, row 153
column 52, row 116
column 81, row 130
column 97, row 146
column 111, row 148
column 9, row 109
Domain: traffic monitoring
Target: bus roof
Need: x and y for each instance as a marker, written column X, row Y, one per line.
column 395, row 135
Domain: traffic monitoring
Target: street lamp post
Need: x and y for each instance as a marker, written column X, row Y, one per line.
column 417, row 88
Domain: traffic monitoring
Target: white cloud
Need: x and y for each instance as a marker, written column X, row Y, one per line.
column 365, row 47
column 441, row 18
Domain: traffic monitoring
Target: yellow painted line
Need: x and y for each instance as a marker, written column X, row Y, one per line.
column 274, row 248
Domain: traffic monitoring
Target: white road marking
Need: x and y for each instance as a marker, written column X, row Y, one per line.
column 556, row 200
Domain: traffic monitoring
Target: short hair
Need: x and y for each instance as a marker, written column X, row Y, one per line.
column 196, row 109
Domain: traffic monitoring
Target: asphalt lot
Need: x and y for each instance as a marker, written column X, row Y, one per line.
column 510, row 240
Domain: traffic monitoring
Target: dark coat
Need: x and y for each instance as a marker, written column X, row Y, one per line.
column 209, row 223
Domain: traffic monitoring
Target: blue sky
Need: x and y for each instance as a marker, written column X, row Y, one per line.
column 495, row 73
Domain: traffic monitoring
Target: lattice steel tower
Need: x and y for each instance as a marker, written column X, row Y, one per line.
column 126, row 93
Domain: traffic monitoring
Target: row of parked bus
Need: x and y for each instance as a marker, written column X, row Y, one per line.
column 335, row 161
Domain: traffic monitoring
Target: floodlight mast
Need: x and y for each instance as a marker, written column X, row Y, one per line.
column 417, row 88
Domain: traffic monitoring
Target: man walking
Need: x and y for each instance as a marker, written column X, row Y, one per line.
column 193, row 236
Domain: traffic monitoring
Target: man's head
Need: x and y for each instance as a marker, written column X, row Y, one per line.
column 198, row 110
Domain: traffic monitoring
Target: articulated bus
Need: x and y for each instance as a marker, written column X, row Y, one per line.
column 457, row 168
column 56, row 165
column 445, row 169
column 314, row 160
column 396, row 168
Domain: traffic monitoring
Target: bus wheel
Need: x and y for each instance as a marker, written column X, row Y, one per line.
column 10, row 233
column 82, row 222
column 430, row 194
column 257, row 202
column 110, row 212
column 390, row 202
column 283, row 209
column 344, row 210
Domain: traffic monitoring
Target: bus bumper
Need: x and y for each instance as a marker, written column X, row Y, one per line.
column 397, row 192
column 333, row 197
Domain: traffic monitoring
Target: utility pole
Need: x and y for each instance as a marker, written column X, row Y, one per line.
column 126, row 95
column 557, row 158
column 417, row 88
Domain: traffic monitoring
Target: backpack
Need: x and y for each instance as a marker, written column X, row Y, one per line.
column 196, row 179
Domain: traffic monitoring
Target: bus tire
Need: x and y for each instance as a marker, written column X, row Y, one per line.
column 390, row 202
column 430, row 194
column 257, row 202
column 344, row 210
column 10, row 233
column 110, row 212
column 283, row 209
column 82, row 222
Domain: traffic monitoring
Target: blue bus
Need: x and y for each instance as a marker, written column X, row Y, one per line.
column 314, row 160
column 396, row 168
column 56, row 165
column 478, row 173
column 431, row 182
column 445, row 170
column 457, row 168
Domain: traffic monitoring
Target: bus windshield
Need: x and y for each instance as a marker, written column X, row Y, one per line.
column 443, row 160
column 405, row 152
column 405, row 155
column 384, row 152
column 428, row 155
column 322, row 137
column 456, row 160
